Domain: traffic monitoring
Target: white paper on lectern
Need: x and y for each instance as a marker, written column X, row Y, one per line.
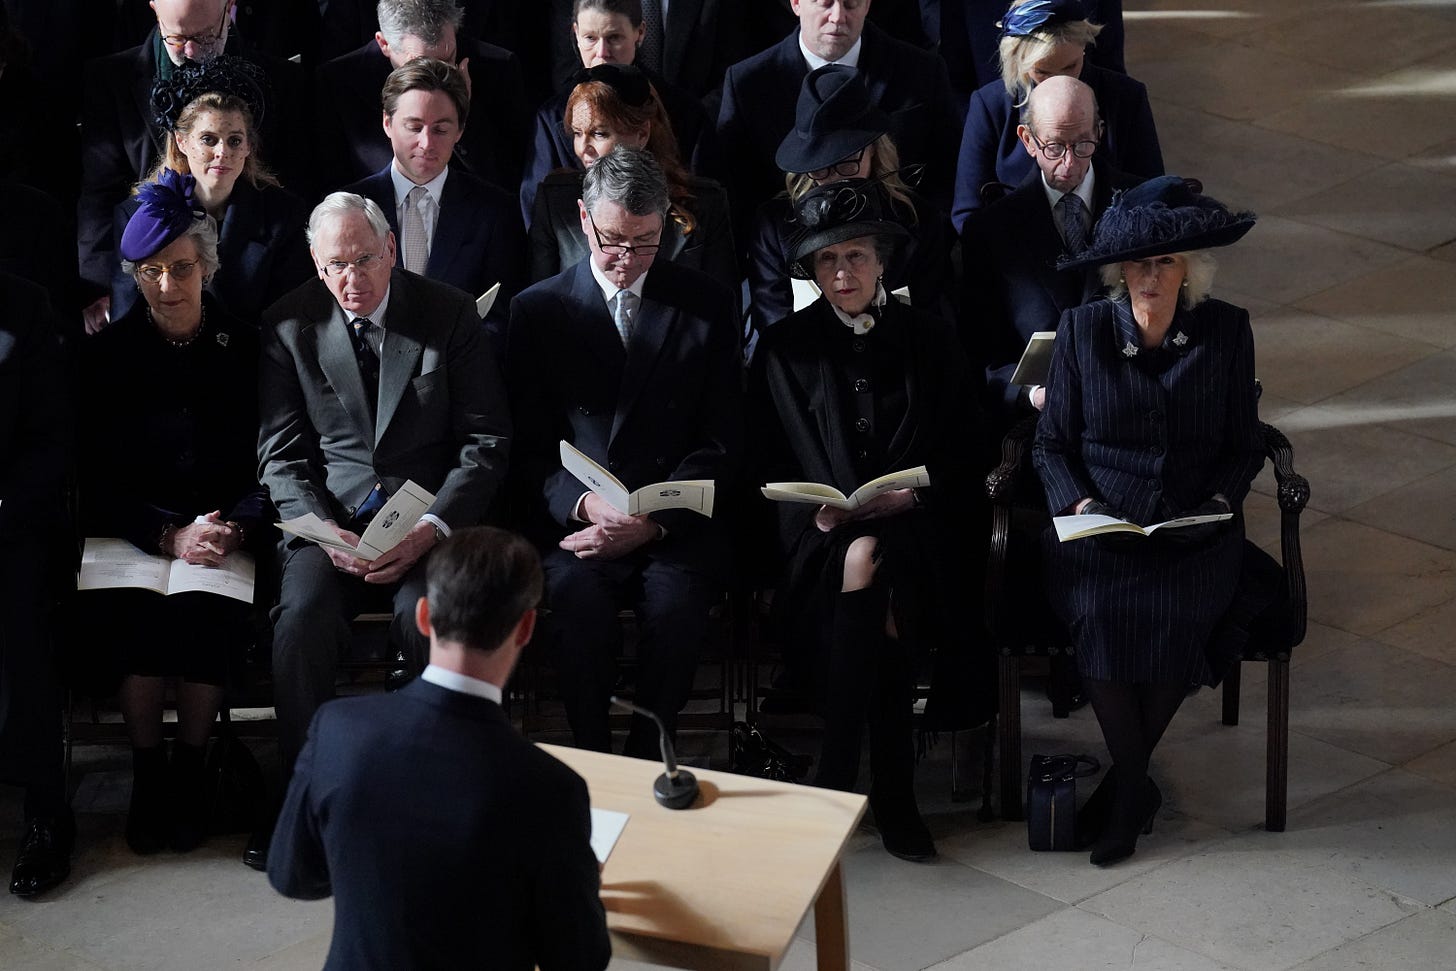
column 607, row 826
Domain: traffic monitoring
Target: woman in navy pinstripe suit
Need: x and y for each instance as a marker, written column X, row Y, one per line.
column 1150, row 415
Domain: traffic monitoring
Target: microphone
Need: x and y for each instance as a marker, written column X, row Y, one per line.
column 676, row 788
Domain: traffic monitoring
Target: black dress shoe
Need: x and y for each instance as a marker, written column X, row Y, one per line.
column 255, row 854
column 902, row 831
column 44, row 860
column 1092, row 817
column 1120, row 840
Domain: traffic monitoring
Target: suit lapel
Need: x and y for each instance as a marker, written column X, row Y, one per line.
column 336, row 359
column 681, row 25
column 450, row 227
column 400, row 355
column 649, row 333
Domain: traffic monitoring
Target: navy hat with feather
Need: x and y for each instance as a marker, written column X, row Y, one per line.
column 1167, row 214
column 167, row 210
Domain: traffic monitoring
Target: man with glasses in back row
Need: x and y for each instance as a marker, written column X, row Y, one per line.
column 370, row 376
column 636, row 364
column 120, row 138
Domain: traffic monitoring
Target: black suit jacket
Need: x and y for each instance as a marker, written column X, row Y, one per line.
column 668, row 407
column 1012, row 285
column 120, row 143
column 497, row 870
column 761, row 94
column 261, row 252
column 35, row 414
column 351, row 139
column 478, row 240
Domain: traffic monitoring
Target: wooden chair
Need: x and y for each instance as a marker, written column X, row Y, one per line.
column 1022, row 624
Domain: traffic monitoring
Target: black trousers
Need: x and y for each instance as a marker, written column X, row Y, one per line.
column 31, row 747
column 311, row 633
column 584, row 596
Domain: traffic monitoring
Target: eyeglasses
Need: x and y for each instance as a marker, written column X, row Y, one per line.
column 180, row 270
column 208, row 40
column 617, row 249
column 845, row 166
column 363, row 264
column 1055, row 150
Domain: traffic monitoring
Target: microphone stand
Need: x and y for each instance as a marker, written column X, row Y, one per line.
column 676, row 788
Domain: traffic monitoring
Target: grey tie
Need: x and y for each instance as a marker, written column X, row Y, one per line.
column 1074, row 222
column 416, row 243
column 649, row 57
column 624, row 313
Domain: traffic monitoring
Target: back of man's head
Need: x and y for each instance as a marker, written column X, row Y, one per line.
column 479, row 583
column 629, row 177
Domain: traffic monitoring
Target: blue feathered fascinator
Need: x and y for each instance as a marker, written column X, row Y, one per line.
column 167, row 209
column 1022, row 20
column 1163, row 215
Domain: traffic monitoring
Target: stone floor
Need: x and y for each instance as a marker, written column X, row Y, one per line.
column 1336, row 121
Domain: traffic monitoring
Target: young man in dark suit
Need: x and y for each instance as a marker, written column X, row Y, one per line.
column 1010, row 248
column 370, row 376
column 635, row 363
column 450, row 225
column 445, row 838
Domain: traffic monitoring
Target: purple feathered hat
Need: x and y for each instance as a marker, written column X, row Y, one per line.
column 1163, row 215
column 167, row 210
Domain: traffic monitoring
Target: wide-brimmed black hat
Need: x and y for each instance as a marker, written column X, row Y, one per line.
column 835, row 119
column 224, row 74
column 836, row 212
column 1168, row 214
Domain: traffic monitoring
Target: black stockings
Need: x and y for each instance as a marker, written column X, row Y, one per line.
column 1133, row 718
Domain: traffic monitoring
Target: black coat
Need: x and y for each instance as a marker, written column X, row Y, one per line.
column 261, row 252
column 668, row 407
column 498, row 871
column 991, row 152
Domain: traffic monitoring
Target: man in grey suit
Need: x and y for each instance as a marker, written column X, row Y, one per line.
column 370, row 376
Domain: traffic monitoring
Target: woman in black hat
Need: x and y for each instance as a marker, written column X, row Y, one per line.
column 1042, row 39
column 613, row 105
column 854, row 387
column 168, row 463
column 211, row 114
column 1150, row 415
column 840, row 134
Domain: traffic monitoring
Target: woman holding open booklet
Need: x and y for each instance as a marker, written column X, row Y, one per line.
column 1150, row 419
column 871, row 402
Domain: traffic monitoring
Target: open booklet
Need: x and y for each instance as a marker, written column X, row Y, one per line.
column 108, row 563
column 807, row 291
column 485, row 301
column 389, row 525
column 1036, row 360
column 1080, row 527
column 693, row 494
column 826, row 495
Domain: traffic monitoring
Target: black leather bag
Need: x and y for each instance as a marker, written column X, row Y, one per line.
column 1051, row 799
column 753, row 753
column 237, row 792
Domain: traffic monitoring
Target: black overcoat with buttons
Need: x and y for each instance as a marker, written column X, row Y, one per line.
column 1153, row 433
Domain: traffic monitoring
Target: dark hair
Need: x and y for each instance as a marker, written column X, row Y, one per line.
column 480, row 582
column 426, row 74
column 631, row 9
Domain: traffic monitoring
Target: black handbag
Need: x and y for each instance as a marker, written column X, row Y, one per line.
column 753, row 753
column 237, row 791
column 1051, row 799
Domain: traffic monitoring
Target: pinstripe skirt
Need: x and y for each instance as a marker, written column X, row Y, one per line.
column 1144, row 611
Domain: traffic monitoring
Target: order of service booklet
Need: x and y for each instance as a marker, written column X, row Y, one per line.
column 1036, row 360
column 826, row 495
column 692, row 494
column 108, row 563
column 1080, row 527
column 389, row 525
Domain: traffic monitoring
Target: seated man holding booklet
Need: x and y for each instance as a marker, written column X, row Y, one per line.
column 372, row 378
column 870, row 403
column 634, row 364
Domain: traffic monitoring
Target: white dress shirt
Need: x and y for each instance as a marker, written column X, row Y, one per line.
column 463, row 683
column 850, row 58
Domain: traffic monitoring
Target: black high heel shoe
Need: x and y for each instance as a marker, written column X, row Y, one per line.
column 1092, row 817
column 1119, row 844
column 902, row 830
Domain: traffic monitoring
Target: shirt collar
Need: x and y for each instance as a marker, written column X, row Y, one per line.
column 850, row 58
column 609, row 289
column 463, row 683
column 1083, row 192
column 402, row 185
column 863, row 323
column 377, row 317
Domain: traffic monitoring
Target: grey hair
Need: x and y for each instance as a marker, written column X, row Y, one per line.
column 1202, row 265
column 204, row 233
column 338, row 204
column 425, row 19
column 631, row 178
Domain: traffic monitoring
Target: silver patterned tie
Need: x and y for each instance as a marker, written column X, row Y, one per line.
column 624, row 312
column 416, row 243
column 1074, row 222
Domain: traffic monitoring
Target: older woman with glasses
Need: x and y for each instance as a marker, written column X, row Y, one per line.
column 169, row 463
column 1042, row 39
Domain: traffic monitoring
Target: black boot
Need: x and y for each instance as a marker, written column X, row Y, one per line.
column 148, row 823
column 892, row 761
column 859, row 623
column 1130, row 816
column 189, row 796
